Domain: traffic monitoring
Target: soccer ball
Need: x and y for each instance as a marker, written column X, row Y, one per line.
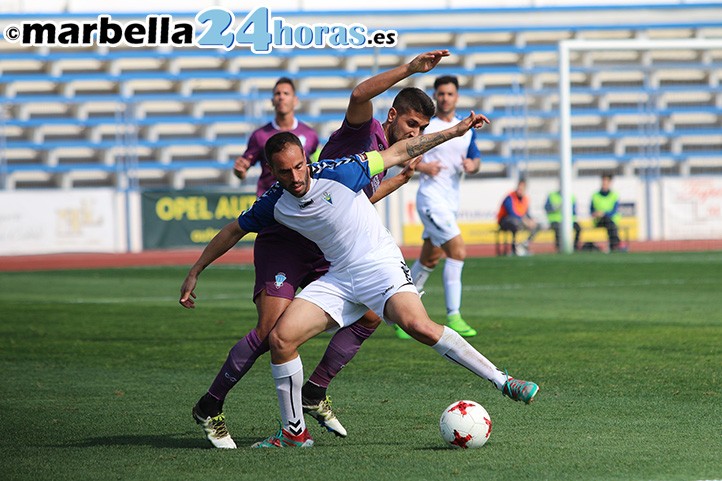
column 465, row 424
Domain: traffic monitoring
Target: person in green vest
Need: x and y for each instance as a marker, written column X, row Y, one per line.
column 605, row 211
column 553, row 208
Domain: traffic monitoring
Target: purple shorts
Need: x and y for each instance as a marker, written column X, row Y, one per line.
column 284, row 261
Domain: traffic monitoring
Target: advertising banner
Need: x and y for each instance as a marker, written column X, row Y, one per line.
column 480, row 199
column 188, row 218
column 692, row 208
column 57, row 221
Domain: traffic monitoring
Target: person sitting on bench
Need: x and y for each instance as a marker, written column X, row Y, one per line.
column 514, row 216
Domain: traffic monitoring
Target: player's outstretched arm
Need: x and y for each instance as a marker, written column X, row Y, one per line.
column 360, row 109
column 219, row 245
column 392, row 184
column 408, row 149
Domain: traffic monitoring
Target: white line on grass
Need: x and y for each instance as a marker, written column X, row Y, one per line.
column 589, row 285
column 125, row 300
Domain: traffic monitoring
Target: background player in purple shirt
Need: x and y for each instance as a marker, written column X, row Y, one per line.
column 284, row 102
column 285, row 261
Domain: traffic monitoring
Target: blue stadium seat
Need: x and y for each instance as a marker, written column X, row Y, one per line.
column 192, row 110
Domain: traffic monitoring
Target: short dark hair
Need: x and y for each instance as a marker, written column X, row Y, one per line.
column 285, row 80
column 278, row 142
column 607, row 175
column 411, row 98
column 446, row 79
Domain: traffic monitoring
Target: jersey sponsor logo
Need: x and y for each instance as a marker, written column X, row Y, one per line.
column 303, row 205
column 327, row 197
column 280, row 279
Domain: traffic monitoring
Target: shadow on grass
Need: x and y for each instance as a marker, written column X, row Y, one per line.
column 168, row 441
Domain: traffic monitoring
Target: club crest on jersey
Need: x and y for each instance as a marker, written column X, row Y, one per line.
column 327, row 197
column 280, row 278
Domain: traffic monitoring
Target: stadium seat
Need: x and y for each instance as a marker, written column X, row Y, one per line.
column 158, row 108
column 13, row 64
column 42, row 87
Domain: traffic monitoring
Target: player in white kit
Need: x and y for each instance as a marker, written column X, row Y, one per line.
column 324, row 203
column 437, row 203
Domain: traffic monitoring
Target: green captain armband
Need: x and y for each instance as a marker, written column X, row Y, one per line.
column 314, row 157
column 376, row 162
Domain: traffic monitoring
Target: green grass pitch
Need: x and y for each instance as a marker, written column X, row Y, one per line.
column 100, row 369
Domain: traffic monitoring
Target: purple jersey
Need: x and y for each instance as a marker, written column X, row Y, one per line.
column 348, row 140
column 254, row 151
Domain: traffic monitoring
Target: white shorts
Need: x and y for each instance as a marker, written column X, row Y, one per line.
column 439, row 224
column 347, row 295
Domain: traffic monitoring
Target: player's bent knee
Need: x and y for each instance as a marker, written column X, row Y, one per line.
column 265, row 326
column 370, row 320
column 431, row 263
column 270, row 309
column 281, row 344
column 459, row 254
column 423, row 330
column 262, row 333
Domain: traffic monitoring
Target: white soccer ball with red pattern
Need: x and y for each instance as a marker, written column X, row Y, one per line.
column 465, row 424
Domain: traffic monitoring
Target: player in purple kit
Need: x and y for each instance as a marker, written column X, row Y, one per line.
column 409, row 115
column 279, row 270
column 285, row 261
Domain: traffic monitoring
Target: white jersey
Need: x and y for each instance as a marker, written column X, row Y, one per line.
column 334, row 213
column 443, row 188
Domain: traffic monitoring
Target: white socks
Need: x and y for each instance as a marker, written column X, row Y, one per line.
column 289, row 379
column 420, row 273
column 455, row 348
column 452, row 285
column 452, row 282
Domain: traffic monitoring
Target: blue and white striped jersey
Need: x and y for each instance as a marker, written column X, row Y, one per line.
column 334, row 213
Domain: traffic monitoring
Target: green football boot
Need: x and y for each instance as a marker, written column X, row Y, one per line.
column 456, row 323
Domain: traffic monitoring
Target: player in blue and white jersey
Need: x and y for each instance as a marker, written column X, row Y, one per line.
column 367, row 271
column 437, row 202
column 285, row 261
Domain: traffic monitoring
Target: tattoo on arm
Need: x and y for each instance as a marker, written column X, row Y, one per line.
column 424, row 143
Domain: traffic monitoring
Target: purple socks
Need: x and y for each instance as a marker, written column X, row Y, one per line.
column 240, row 359
column 344, row 345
